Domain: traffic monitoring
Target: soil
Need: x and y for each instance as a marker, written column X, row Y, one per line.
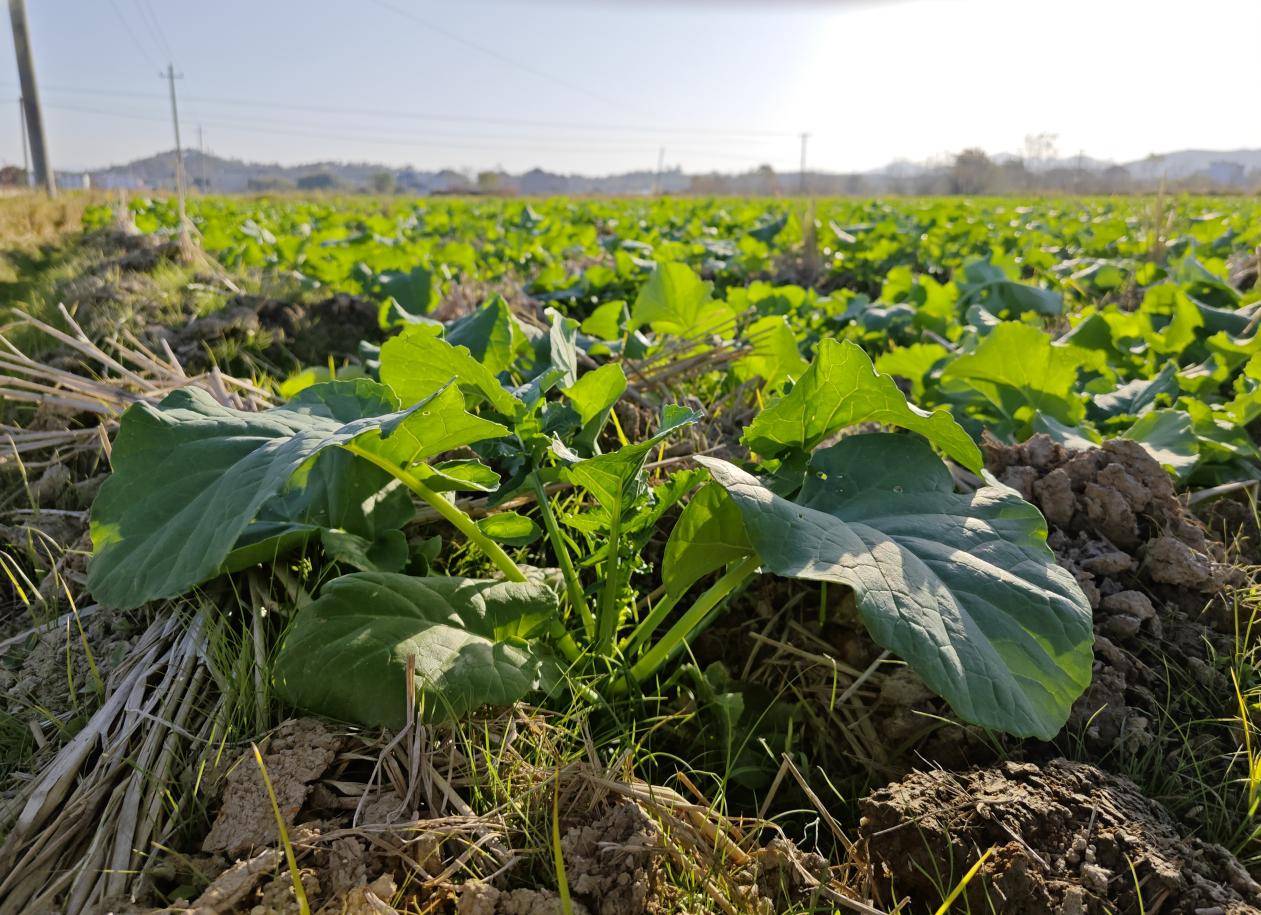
column 1067, row 837
column 1065, row 833
column 612, row 863
column 295, row 756
column 290, row 333
column 1153, row 576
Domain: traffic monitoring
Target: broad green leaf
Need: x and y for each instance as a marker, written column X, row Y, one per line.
column 334, row 491
column 609, row 476
column 191, row 475
column 1179, row 331
column 1246, row 405
column 439, row 423
column 458, row 476
column 840, row 389
column 511, row 528
column 413, row 290
column 592, row 396
column 984, row 283
column 417, row 362
column 676, row 301
column 387, row 553
column 489, row 334
column 1168, row 437
column 605, row 322
column 708, row 535
column 1136, row 397
column 346, row 654
column 913, row 363
column 562, row 350
column 1017, row 366
column 774, row 356
column 1075, row 438
column 962, row 587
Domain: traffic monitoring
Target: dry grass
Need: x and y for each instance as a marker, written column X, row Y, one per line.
column 29, row 219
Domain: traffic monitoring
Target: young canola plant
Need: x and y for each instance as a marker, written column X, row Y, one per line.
column 962, row 586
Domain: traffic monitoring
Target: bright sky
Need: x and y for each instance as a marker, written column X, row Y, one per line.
column 598, row 86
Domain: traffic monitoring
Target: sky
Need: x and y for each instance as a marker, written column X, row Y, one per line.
column 602, row 86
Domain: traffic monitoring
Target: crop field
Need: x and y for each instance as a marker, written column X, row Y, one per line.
column 370, row 555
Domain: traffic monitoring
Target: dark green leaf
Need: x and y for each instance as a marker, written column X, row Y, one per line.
column 346, row 655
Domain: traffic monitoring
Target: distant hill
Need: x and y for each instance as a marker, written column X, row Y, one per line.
column 1203, row 169
column 1188, row 162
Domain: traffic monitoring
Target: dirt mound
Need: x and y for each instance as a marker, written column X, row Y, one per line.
column 612, row 863
column 1067, row 838
column 295, row 756
column 291, row 333
column 1153, row 576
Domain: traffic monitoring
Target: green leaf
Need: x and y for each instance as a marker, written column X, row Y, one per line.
column 962, row 587
column 914, row 363
column 593, row 396
column 609, row 476
column 510, row 528
column 191, row 475
column 1016, row 366
column 388, row 553
column 562, row 346
column 986, row 284
column 1168, row 437
column 605, row 322
column 708, row 535
column 459, row 476
column 333, row 491
column 346, row 654
column 774, row 356
column 1074, row 438
column 676, row 301
column 489, row 334
column 412, row 290
column 840, row 389
column 417, row 362
column 1136, row 397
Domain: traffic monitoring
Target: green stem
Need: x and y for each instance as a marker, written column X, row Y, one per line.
column 680, row 632
column 606, row 624
column 648, row 625
column 564, row 641
column 573, row 586
column 462, row 522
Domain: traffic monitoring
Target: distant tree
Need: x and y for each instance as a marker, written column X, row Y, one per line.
column 489, row 182
column 973, row 172
column 766, row 180
column 12, row 176
column 320, row 181
column 268, row 184
column 383, row 182
column 1039, row 147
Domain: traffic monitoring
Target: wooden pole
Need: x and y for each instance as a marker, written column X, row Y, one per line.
column 30, row 97
column 179, row 156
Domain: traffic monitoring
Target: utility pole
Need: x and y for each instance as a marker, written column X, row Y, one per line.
column 34, row 122
column 26, row 145
column 201, row 150
column 169, row 76
column 661, row 164
column 801, row 183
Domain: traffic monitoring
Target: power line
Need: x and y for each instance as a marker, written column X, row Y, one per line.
column 144, row 52
column 378, row 131
column 424, row 116
column 503, row 58
column 149, row 27
column 421, row 141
